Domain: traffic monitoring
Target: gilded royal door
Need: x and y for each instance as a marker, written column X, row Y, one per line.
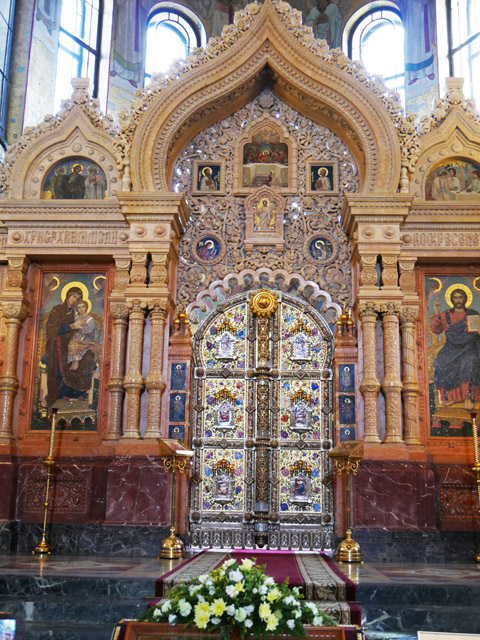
column 262, row 426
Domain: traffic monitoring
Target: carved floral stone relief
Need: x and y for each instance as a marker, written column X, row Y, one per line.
column 307, row 215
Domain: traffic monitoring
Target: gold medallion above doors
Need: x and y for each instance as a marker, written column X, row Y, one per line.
column 262, row 427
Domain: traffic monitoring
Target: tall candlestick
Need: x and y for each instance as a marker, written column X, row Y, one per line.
column 52, row 431
column 476, row 466
column 43, row 547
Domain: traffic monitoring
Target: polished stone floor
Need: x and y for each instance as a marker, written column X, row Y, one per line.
column 397, row 600
column 367, row 573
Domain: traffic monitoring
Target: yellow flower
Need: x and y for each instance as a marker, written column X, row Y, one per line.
column 201, row 619
column 218, row 606
column 274, row 595
column 272, row 623
column 239, row 587
column 247, row 563
column 202, row 607
column 264, row 611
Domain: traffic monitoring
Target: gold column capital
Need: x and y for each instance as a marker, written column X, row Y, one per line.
column 16, row 309
column 390, row 308
column 409, row 314
column 119, row 311
column 368, row 309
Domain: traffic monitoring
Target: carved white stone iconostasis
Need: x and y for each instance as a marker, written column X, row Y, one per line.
column 183, row 150
column 311, row 217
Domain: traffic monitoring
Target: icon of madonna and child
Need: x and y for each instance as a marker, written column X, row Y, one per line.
column 453, row 332
column 71, row 319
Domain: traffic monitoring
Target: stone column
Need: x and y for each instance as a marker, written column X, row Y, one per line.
column 392, row 384
column 370, row 384
column 14, row 313
column 133, row 382
column 155, row 381
column 119, row 313
column 408, row 318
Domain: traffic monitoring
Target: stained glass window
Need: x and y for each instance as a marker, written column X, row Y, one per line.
column 172, row 33
column 376, row 38
column 7, row 9
column 78, row 46
column 463, row 24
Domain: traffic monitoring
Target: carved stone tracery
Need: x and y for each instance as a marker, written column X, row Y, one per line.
column 305, row 216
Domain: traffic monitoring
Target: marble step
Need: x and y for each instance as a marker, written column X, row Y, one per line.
column 56, row 609
column 420, row 594
column 408, row 619
column 65, row 631
column 31, row 586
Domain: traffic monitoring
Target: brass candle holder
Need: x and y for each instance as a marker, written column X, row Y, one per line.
column 173, row 547
column 346, row 457
column 43, row 548
column 175, row 457
column 476, row 466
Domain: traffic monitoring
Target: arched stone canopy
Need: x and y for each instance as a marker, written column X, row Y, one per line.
column 266, row 46
column 80, row 129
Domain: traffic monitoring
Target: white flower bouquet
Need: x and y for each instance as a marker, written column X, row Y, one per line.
column 238, row 596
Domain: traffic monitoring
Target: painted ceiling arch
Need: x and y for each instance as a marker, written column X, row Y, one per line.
column 267, row 46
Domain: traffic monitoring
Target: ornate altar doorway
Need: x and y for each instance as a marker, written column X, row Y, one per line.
column 262, row 426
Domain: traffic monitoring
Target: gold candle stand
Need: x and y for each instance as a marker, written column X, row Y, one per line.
column 476, row 466
column 346, row 457
column 43, row 548
column 177, row 460
column 173, row 547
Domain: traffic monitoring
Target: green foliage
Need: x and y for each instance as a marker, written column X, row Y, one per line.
column 238, row 595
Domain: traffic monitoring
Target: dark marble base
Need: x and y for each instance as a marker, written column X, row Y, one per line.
column 144, row 541
column 70, row 631
column 418, row 546
column 84, row 540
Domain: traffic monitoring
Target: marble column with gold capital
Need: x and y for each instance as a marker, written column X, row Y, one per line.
column 14, row 312
column 155, row 381
column 133, row 382
column 370, row 384
column 408, row 319
column 392, row 383
column 120, row 313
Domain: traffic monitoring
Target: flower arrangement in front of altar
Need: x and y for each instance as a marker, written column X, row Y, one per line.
column 238, row 595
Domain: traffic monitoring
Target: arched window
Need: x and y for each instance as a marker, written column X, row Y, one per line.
column 7, row 10
column 375, row 36
column 172, row 32
column 463, row 26
column 78, row 46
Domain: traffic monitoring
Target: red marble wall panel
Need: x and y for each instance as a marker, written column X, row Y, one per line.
column 395, row 496
column 126, row 490
column 8, row 473
column 138, row 492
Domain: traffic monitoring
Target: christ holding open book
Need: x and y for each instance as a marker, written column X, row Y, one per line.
column 457, row 365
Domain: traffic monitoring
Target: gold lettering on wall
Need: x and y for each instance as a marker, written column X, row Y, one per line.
column 445, row 239
column 63, row 237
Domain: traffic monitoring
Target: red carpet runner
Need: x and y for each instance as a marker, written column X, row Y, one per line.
column 319, row 578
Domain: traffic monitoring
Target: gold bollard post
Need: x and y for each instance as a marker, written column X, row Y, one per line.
column 43, row 548
column 476, row 466
column 348, row 550
column 173, row 547
column 346, row 457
